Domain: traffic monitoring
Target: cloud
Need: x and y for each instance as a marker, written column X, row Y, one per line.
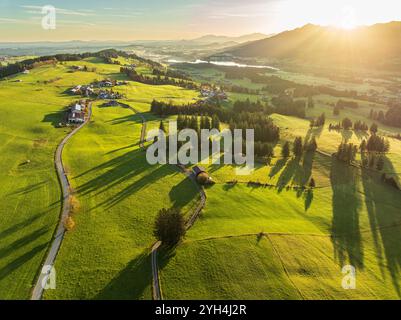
column 81, row 12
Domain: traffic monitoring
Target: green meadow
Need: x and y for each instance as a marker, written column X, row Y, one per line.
column 260, row 236
column 106, row 256
column 302, row 238
column 30, row 191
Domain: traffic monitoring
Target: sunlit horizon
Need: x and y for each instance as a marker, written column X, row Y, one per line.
column 158, row 20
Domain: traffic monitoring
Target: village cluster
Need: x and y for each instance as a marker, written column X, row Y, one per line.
column 98, row 89
column 209, row 93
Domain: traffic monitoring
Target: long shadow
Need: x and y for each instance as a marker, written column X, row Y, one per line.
column 155, row 175
column 185, row 187
column 22, row 242
column 131, row 282
column 347, row 135
column 277, row 167
column 288, row 173
column 55, row 118
column 308, row 199
column 361, row 134
column 383, row 203
column 124, row 148
column 346, row 204
column 120, row 170
column 28, row 189
column 21, row 260
column 304, row 173
column 19, row 226
column 132, row 118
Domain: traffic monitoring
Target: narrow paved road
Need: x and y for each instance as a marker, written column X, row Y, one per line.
column 156, row 289
column 59, row 235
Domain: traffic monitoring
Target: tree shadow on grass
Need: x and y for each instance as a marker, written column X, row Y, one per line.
column 155, row 175
column 21, row 260
column 288, row 173
column 121, row 170
column 132, row 119
column 19, row 226
column 304, row 173
column 346, row 135
column 383, row 203
column 308, row 199
column 346, row 204
column 183, row 193
column 29, row 189
column 361, row 134
column 132, row 282
column 22, row 242
column 55, row 118
column 277, row 167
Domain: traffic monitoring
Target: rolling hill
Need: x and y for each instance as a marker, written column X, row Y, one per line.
column 210, row 38
column 376, row 46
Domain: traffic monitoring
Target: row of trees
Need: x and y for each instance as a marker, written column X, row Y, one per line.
column 375, row 143
column 299, row 147
column 347, row 152
column 359, row 125
column 157, row 80
column 286, row 105
column 192, row 122
column 319, row 121
column 107, row 54
column 169, row 73
column 392, row 117
column 265, row 129
column 341, row 104
column 248, row 106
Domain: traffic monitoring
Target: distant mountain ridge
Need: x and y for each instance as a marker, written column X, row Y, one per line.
column 378, row 45
column 211, row 38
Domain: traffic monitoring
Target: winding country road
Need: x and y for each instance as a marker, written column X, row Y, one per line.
column 156, row 290
column 59, row 235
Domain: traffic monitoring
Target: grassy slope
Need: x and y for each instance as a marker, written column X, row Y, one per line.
column 119, row 195
column 352, row 205
column 30, row 193
column 30, row 212
column 238, row 268
column 364, row 220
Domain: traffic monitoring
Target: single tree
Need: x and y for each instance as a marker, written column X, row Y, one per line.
column 374, row 128
column 169, row 226
column 298, row 147
column 285, row 151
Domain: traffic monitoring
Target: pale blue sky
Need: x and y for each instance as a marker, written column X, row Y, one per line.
column 177, row 19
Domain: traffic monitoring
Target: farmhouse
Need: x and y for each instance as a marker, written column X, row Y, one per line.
column 201, row 175
column 76, row 114
column 103, row 84
column 83, row 90
column 109, row 94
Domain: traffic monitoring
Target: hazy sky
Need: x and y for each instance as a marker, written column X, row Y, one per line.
column 176, row 19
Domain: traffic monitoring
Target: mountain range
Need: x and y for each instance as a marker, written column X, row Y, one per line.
column 378, row 46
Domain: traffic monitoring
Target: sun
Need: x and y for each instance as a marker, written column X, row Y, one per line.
column 348, row 19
